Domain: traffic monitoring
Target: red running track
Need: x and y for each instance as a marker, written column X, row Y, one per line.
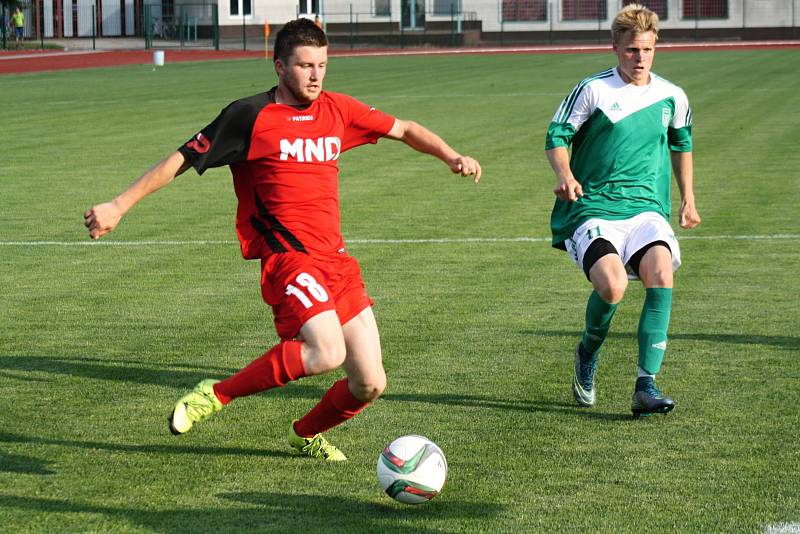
column 12, row 62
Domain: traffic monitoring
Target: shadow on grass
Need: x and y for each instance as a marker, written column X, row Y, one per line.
column 122, row 371
column 17, row 376
column 6, row 437
column 271, row 512
column 784, row 342
column 517, row 404
column 14, row 463
column 98, row 369
column 368, row 516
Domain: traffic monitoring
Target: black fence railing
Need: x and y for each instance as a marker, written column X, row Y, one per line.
column 385, row 23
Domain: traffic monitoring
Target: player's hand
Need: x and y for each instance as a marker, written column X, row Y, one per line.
column 689, row 218
column 568, row 189
column 102, row 218
column 466, row 166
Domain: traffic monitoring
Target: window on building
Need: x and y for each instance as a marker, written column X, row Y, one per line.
column 583, row 10
column 308, row 7
column 659, row 7
column 705, row 9
column 383, row 8
column 241, row 7
column 524, row 10
column 446, row 7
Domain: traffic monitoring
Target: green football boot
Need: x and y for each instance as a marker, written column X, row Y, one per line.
column 315, row 447
column 647, row 399
column 583, row 377
column 201, row 403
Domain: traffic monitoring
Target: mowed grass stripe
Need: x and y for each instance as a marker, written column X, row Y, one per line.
column 97, row 340
column 146, row 243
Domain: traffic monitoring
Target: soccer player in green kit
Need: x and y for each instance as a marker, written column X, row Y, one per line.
column 629, row 130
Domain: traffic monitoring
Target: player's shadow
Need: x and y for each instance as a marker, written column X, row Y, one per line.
column 492, row 403
column 483, row 402
column 15, row 463
column 177, row 375
column 345, row 514
column 313, row 392
column 266, row 512
column 178, row 449
column 783, row 342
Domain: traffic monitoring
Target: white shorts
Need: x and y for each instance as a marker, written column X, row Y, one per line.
column 627, row 235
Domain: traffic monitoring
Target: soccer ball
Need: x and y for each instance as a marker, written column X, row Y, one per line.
column 412, row 469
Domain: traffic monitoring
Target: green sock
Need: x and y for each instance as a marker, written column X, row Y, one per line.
column 653, row 325
column 598, row 321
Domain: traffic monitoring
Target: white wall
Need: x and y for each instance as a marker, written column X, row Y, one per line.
column 47, row 7
column 752, row 13
column 112, row 18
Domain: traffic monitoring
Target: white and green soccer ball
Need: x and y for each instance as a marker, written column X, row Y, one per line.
column 412, row 469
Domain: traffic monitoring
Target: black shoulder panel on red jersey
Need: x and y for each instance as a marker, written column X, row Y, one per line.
column 227, row 139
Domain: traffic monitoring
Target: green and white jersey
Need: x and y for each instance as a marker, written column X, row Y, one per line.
column 621, row 135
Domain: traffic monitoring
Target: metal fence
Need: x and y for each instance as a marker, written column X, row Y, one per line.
column 365, row 23
column 181, row 25
column 8, row 32
column 380, row 22
column 747, row 11
column 588, row 10
column 241, row 24
column 439, row 23
column 166, row 24
column 537, row 21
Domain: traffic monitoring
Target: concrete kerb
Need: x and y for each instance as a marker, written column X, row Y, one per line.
column 115, row 43
column 138, row 43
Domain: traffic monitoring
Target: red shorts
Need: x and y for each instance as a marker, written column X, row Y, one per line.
column 299, row 286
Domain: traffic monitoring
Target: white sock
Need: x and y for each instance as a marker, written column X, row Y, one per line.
column 642, row 373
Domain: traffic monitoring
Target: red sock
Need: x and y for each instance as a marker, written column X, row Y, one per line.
column 278, row 366
column 337, row 406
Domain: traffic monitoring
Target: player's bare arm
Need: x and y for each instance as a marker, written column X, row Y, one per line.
column 683, row 168
column 423, row 140
column 103, row 218
column 567, row 187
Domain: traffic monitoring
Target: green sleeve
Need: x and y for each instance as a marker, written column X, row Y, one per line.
column 680, row 139
column 559, row 134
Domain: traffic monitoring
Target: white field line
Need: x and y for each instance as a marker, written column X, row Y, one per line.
column 445, row 240
column 782, row 528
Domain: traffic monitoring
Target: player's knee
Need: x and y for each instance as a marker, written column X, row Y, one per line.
column 660, row 276
column 613, row 290
column 655, row 270
column 368, row 389
column 326, row 357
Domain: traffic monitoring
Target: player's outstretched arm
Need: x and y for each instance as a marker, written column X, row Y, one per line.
column 101, row 219
column 423, row 140
column 567, row 187
column 683, row 168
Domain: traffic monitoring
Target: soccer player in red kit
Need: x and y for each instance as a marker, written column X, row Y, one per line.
column 283, row 147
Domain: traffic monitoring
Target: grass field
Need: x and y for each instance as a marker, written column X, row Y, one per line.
column 97, row 341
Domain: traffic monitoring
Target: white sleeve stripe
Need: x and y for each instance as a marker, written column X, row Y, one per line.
column 565, row 110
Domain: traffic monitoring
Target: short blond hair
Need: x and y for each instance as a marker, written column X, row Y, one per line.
column 633, row 18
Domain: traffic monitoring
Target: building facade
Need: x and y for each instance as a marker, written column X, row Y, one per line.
column 363, row 22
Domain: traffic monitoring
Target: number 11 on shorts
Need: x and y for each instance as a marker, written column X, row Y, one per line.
column 307, row 282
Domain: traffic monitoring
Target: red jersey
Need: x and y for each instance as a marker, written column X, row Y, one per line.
column 284, row 161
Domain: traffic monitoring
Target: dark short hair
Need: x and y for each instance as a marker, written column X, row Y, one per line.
column 300, row 32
